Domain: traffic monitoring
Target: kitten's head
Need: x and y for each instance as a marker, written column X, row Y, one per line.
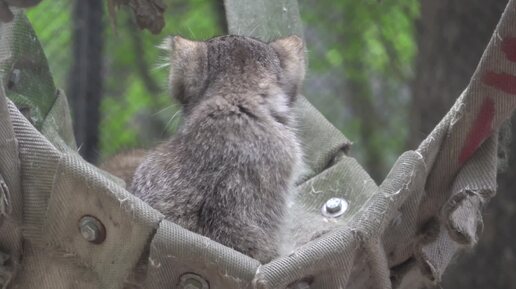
column 259, row 78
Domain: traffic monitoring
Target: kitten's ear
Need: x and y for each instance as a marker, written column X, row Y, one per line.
column 184, row 49
column 187, row 59
column 291, row 51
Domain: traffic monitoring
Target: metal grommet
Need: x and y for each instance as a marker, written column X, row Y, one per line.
column 334, row 207
column 92, row 230
column 192, row 281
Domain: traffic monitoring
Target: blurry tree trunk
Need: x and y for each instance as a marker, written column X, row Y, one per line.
column 140, row 63
column 361, row 102
column 221, row 15
column 85, row 84
column 451, row 37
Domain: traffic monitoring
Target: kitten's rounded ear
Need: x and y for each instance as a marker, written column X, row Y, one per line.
column 291, row 44
column 187, row 66
column 291, row 52
column 183, row 47
column 180, row 48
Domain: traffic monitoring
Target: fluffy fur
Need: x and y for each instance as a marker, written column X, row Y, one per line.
column 124, row 164
column 228, row 171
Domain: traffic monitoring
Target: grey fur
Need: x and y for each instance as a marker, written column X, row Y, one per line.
column 230, row 168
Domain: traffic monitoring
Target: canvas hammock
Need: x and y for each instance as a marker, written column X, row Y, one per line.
column 400, row 234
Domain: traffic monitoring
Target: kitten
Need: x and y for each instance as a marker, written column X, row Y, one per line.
column 124, row 164
column 228, row 171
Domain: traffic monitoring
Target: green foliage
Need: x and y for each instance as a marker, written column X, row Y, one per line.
column 127, row 94
column 374, row 34
column 52, row 24
column 116, row 131
column 367, row 49
column 360, row 61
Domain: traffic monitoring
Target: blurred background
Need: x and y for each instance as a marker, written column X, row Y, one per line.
column 383, row 72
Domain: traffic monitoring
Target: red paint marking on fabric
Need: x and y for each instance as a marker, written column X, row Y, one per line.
column 502, row 81
column 509, row 48
column 481, row 129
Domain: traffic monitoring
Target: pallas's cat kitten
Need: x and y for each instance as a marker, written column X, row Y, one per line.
column 228, row 171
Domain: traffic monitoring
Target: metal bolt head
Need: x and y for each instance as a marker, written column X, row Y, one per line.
column 192, row 281
column 334, row 207
column 92, row 230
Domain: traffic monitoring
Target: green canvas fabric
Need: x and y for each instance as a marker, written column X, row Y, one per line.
column 58, row 189
column 401, row 234
column 5, row 12
column 22, row 61
column 10, row 198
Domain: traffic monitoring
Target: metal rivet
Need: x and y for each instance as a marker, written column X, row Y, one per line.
column 334, row 207
column 193, row 281
column 92, row 229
